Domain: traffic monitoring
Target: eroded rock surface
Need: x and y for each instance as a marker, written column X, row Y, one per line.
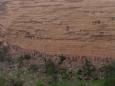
column 84, row 27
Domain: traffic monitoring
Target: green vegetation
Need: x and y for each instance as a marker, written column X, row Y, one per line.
column 15, row 72
column 87, row 71
column 40, row 83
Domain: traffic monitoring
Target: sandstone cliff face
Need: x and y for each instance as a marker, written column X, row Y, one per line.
column 77, row 27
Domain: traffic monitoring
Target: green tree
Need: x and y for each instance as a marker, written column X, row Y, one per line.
column 51, row 70
column 87, row 71
column 108, row 70
column 61, row 59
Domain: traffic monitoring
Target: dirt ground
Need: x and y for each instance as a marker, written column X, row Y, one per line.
column 77, row 27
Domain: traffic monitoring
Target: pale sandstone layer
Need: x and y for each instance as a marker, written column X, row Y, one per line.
column 76, row 27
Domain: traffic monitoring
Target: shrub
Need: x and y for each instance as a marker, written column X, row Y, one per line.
column 52, row 71
column 15, row 82
column 87, row 71
column 40, row 83
column 51, row 68
column 4, row 54
column 65, row 74
column 61, row 59
column 109, row 82
column 33, row 68
column 3, row 81
column 26, row 57
column 108, row 70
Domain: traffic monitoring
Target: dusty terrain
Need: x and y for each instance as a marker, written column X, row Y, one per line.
column 77, row 27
